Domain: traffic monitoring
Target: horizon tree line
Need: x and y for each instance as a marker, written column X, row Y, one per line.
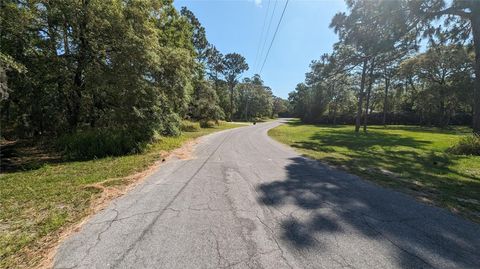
column 397, row 62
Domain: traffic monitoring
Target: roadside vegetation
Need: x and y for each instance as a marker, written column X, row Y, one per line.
column 106, row 78
column 92, row 93
column 468, row 145
column 412, row 159
column 41, row 197
column 403, row 82
column 397, row 62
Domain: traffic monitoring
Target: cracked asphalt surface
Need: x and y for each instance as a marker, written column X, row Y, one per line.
column 246, row 201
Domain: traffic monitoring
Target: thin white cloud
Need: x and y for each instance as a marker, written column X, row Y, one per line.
column 258, row 3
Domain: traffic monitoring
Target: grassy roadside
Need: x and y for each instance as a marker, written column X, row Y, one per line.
column 258, row 120
column 37, row 205
column 408, row 158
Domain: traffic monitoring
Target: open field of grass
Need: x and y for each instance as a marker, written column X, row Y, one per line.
column 38, row 204
column 408, row 158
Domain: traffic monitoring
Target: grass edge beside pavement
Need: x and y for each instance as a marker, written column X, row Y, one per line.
column 408, row 159
column 40, row 207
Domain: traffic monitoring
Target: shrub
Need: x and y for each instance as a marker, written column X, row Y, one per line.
column 171, row 125
column 188, row 126
column 91, row 144
column 207, row 123
column 468, row 145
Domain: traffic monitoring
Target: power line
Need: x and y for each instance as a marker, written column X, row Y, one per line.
column 261, row 35
column 274, row 35
column 268, row 30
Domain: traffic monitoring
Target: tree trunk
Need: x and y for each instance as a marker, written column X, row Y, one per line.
column 476, row 41
column 246, row 110
column 53, row 58
column 78, row 80
column 66, row 46
column 335, row 113
column 442, row 106
column 385, row 101
column 231, row 102
column 360, row 97
column 369, row 90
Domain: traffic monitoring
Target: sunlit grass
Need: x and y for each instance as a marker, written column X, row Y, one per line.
column 36, row 204
column 409, row 158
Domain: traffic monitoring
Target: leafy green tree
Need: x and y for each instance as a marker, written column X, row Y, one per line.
column 199, row 38
column 377, row 59
column 446, row 74
column 215, row 69
column 372, row 28
column 234, row 65
column 342, row 96
column 279, row 106
column 323, row 90
column 102, row 64
column 388, row 71
column 462, row 19
column 254, row 99
column 215, row 66
column 299, row 100
column 205, row 104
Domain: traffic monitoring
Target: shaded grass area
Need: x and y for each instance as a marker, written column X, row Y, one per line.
column 36, row 204
column 409, row 158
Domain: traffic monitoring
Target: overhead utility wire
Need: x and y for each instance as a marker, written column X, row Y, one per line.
column 274, row 35
column 261, row 35
column 266, row 34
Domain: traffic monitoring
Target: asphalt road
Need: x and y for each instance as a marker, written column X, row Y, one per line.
column 246, row 201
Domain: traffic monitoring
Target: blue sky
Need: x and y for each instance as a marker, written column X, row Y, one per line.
column 236, row 26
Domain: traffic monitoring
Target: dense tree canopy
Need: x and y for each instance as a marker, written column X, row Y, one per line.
column 379, row 69
column 112, row 64
column 135, row 67
column 254, row 99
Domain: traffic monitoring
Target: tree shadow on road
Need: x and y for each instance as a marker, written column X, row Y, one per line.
column 401, row 162
column 327, row 203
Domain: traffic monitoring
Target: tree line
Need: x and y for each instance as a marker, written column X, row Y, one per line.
column 397, row 62
column 136, row 67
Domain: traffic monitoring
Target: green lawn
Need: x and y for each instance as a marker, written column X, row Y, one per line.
column 36, row 205
column 408, row 158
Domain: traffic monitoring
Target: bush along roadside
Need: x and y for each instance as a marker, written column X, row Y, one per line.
column 94, row 144
column 468, row 145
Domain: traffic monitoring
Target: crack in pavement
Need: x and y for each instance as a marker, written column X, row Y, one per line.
column 272, row 234
column 397, row 245
column 142, row 235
